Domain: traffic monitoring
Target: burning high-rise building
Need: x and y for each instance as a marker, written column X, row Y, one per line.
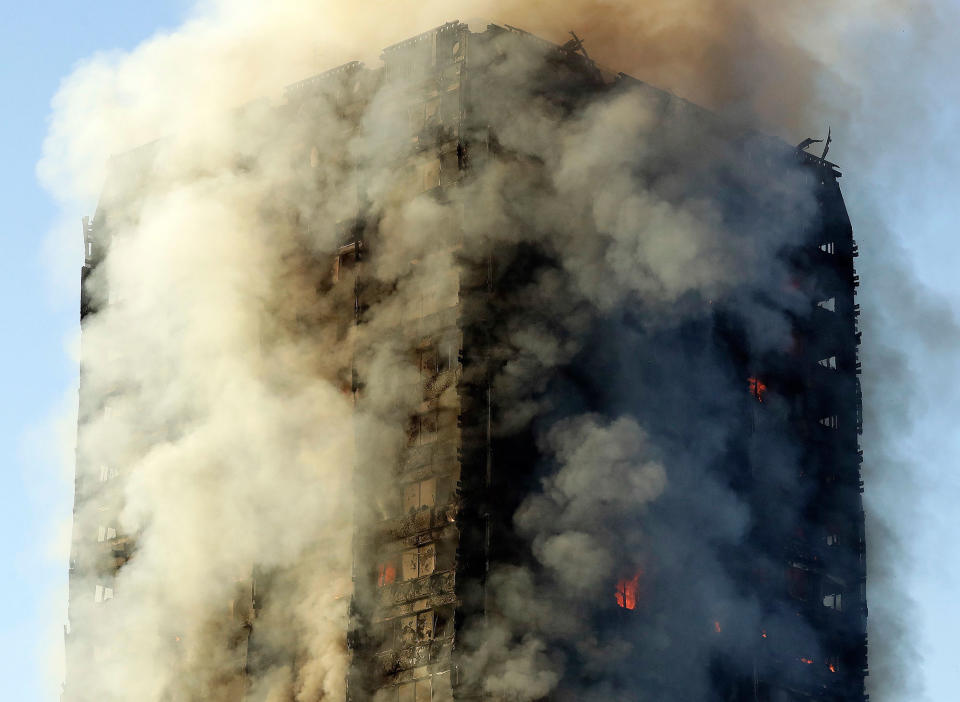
column 484, row 374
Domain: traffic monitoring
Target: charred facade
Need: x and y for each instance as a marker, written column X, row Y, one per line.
column 743, row 577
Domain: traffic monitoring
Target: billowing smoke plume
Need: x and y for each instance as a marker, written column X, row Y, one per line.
column 216, row 378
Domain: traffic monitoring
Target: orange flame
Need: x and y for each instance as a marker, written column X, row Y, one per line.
column 763, row 633
column 386, row 574
column 628, row 590
column 808, row 661
column 757, row 388
column 833, row 668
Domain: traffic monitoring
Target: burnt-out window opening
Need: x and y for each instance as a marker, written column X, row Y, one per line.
column 829, row 304
column 416, row 629
column 827, row 247
column 430, row 689
column 798, row 583
column 438, row 357
column 381, row 633
column 829, row 422
column 830, row 362
column 420, row 495
column 419, row 562
column 449, row 166
column 427, row 361
column 423, row 428
column 441, row 292
column 431, row 173
column 447, row 353
column 347, row 258
column 418, row 691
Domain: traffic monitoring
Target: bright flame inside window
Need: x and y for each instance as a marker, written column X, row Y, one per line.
column 627, row 591
column 386, row 574
column 757, row 388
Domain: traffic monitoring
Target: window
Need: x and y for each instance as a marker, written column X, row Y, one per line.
column 423, row 429
column 757, row 388
column 627, row 591
column 432, row 112
column 827, row 247
column 419, row 562
column 419, row 691
column 386, row 572
column 428, row 362
column 437, row 358
column 102, row 593
column 798, row 582
column 832, row 589
column 829, row 304
column 416, row 629
column 433, row 689
column 832, row 539
column 417, row 496
column 830, row 362
column 107, row 473
column 105, row 533
column 347, row 258
column 834, row 601
column 442, row 690
column 829, row 422
column 431, row 175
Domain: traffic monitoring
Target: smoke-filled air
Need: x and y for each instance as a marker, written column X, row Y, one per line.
column 236, row 434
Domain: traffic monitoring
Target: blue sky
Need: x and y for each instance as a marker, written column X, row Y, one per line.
column 39, row 44
column 902, row 178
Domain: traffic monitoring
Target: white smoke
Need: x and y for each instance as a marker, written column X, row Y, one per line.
column 229, row 420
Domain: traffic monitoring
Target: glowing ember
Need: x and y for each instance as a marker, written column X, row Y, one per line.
column 628, row 590
column 386, row 574
column 716, row 627
column 808, row 661
column 757, row 388
column 763, row 634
